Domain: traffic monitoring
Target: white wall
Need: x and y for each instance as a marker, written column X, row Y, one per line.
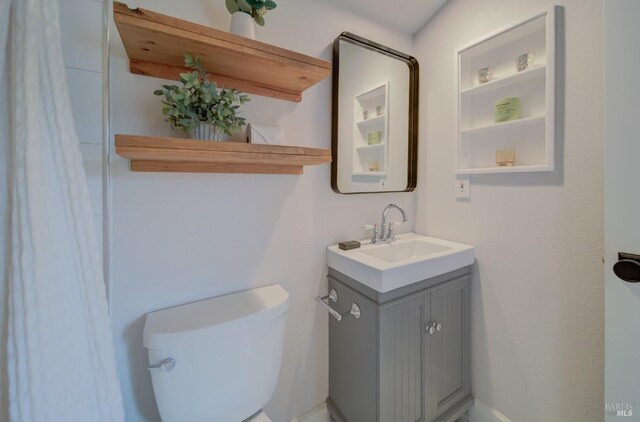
column 183, row 237
column 537, row 288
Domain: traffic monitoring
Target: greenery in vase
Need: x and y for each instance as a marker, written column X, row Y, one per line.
column 255, row 8
column 199, row 100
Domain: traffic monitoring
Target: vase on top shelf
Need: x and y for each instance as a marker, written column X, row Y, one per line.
column 204, row 131
column 245, row 12
column 242, row 24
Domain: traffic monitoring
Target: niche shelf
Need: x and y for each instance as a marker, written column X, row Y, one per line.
column 496, row 127
column 510, row 79
column 152, row 154
column 533, row 135
column 156, row 44
column 365, row 154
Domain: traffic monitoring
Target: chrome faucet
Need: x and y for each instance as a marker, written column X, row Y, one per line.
column 389, row 236
column 386, row 229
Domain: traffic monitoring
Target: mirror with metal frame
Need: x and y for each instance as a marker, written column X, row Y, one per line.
column 375, row 117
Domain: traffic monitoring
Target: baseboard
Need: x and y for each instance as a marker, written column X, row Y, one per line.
column 334, row 412
column 320, row 413
column 480, row 412
column 458, row 411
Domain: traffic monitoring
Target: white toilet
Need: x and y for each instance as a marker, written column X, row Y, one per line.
column 217, row 360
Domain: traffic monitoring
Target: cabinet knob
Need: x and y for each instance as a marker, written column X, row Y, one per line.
column 430, row 328
column 439, row 327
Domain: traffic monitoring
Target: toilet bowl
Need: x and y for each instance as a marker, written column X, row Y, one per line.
column 218, row 359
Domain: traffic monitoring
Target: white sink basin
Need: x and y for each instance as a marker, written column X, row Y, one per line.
column 409, row 259
column 409, row 249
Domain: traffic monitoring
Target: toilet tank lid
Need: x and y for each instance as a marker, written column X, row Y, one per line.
column 183, row 325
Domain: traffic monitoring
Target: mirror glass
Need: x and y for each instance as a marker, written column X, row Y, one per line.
column 375, row 110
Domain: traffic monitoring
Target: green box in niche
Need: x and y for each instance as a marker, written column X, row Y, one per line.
column 507, row 109
column 373, row 137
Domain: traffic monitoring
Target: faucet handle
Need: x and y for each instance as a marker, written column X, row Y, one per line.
column 390, row 235
column 374, row 234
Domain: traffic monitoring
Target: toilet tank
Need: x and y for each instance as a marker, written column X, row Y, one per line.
column 227, row 352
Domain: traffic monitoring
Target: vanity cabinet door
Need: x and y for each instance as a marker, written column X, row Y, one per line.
column 402, row 363
column 449, row 372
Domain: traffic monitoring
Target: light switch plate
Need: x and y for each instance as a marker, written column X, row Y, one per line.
column 463, row 186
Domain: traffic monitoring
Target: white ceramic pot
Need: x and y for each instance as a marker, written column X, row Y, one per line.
column 207, row 132
column 242, row 24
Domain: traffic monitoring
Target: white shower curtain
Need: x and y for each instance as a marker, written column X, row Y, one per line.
column 60, row 356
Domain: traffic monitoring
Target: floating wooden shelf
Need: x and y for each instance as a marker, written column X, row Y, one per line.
column 156, row 44
column 189, row 156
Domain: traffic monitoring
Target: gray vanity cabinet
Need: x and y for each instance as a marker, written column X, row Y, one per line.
column 387, row 365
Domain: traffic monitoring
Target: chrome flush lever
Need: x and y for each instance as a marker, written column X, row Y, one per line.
column 166, row 365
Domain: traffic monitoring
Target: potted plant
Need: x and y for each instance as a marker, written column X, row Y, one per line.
column 198, row 107
column 245, row 12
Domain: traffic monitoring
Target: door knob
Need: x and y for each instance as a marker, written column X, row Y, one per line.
column 628, row 267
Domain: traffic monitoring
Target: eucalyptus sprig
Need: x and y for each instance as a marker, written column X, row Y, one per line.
column 199, row 100
column 256, row 8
